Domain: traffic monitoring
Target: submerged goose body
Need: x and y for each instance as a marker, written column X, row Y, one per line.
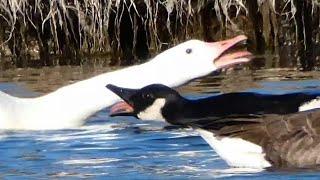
column 242, row 136
column 71, row 105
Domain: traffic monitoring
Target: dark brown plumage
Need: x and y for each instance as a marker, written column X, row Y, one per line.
column 289, row 141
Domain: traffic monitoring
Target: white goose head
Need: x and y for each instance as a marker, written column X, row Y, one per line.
column 195, row 58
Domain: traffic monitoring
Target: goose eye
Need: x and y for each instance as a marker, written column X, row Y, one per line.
column 189, row 50
column 147, row 96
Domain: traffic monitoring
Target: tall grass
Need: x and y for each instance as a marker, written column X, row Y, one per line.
column 76, row 27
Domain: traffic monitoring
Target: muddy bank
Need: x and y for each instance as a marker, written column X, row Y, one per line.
column 55, row 32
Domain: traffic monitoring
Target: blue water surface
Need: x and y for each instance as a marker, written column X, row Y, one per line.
column 126, row 148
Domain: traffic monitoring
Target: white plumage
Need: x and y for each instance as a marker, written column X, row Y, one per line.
column 236, row 151
column 70, row 106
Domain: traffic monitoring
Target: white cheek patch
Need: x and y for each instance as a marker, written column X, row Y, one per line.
column 313, row 104
column 236, row 152
column 153, row 112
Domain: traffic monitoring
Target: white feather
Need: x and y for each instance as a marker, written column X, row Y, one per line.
column 153, row 112
column 313, row 104
column 236, row 151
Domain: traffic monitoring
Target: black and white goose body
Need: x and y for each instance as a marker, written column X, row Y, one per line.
column 245, row 129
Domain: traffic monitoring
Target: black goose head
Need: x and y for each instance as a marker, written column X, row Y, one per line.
column 145, row 103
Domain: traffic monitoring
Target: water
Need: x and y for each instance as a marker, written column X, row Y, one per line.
column 127, row 148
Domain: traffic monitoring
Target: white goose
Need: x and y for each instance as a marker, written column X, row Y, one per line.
column 71, row 105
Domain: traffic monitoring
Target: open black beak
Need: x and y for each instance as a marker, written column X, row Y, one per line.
column 123, row 93
column 123, row 108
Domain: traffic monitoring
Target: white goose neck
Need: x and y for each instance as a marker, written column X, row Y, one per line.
column 69, row 106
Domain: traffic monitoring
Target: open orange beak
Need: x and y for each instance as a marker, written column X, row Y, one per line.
column 226, row 57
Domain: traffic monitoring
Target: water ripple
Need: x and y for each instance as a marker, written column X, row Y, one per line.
column 126, row 148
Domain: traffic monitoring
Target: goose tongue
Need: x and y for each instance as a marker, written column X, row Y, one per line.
column 121, row 109
column 231, row 59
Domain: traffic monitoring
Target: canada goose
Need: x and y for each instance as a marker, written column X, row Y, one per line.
column 243, row 137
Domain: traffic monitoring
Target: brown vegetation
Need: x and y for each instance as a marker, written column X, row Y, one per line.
column 62, row 31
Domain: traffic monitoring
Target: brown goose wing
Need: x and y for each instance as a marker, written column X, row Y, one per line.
column 288, row 140
column 294, row 140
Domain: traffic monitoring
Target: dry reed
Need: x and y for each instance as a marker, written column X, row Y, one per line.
column 80, row 26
